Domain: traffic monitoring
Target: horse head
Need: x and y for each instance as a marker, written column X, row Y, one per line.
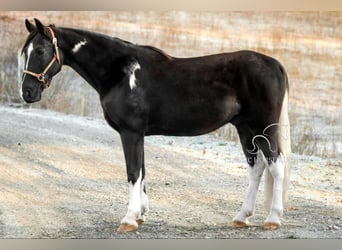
column 42, row 60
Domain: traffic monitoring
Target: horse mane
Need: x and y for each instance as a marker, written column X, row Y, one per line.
column 161, row 52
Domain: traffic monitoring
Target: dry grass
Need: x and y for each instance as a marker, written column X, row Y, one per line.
column 307, row 43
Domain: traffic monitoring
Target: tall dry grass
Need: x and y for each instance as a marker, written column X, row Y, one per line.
column 308, row 44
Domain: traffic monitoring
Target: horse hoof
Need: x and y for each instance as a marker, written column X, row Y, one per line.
column 238, row 224
column 140, row 221
column 126, row 228
column 271, row 226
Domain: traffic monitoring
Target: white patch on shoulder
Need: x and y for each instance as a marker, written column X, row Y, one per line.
column 78, row 45
column 131, row 71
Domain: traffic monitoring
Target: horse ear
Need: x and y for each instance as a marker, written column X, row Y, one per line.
column 29, row 26
column 39, row 25
column 42, row 29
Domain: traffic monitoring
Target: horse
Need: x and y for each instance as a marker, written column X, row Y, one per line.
column 144, row 91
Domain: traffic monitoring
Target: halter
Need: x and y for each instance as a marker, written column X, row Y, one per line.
column 42, row 76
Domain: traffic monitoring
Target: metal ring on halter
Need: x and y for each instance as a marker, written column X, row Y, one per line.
column 41, row 77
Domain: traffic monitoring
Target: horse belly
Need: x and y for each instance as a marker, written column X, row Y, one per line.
column 192, row 118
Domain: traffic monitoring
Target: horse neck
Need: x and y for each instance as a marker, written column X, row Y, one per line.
column 97, row 58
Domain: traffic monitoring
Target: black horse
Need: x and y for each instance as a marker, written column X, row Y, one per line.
column 144, row 91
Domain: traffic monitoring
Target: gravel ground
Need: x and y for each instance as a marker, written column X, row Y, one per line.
column 64, row 176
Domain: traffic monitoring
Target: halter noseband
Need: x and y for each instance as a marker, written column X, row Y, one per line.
column 42, row 76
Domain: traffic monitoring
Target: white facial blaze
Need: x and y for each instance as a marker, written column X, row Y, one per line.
column 131, row 71
column 78, row 45
column 20, row 72
column 28, row 55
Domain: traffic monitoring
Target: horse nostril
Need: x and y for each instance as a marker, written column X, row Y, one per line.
column 27, row 94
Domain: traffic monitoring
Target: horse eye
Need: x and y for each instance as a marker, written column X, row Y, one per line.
column 40, row 51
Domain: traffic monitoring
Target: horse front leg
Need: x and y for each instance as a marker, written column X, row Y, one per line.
column 133, row 145
column 143, row 195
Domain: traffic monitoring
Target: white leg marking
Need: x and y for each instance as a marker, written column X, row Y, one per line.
column 144, row 203
column 78, row 45
column 277, row 171
column 255, row 174
column 131, row 71
column 134, row 206
column 268, row 190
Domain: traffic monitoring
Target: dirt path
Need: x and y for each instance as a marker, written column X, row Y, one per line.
column 64, row 177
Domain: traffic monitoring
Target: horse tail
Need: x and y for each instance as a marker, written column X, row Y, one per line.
column 284, row 145
column 284, row 142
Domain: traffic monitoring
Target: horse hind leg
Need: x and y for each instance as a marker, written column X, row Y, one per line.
column 275, row 202
column 273, row 189
column 275, row 175
column 248, row 207
column 278, row 171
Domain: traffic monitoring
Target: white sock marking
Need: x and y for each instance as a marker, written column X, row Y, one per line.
column 78, row 45
column 277, row 170
column 255, row 174
column 28, row 53
column 134, row 206
column 131, row 71
column 20, row 75
column 144, row 199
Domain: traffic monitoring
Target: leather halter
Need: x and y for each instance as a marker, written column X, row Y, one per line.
column 42, row 76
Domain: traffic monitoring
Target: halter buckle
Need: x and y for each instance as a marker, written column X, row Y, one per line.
column 54, row 41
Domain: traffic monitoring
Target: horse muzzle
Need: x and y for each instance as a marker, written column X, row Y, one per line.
column 31, row 95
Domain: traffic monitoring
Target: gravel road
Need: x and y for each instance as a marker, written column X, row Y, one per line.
column 63, row 176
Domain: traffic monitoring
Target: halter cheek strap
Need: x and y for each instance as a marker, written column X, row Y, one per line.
column 42, row 76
